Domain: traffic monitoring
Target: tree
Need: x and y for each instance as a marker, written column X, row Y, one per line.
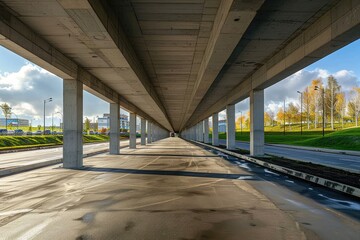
column 240, row 122
column 292, row 113
column 340, row 106
column 87, row 124
column 280, row 116
column 332, row 90
column 316, row 98
column 6, row 110
column 354, row 104
column 268, row 118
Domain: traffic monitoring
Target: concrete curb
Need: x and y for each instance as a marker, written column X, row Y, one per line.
column 14, row 170
column 10, row 171
column 305, row 176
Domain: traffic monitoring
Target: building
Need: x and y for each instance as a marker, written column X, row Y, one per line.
column 17, row 122
column 104, row 122
column 222, row 125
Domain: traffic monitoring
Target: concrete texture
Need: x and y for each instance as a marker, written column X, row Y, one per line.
column 114, row 128
column 143, row 131
column 257, row 123
column 230, row 127
column 176, row 62
column 132, row 125
column 73, row 127
column 215, row 129
column 206, row 131
column 169, row 190
column 148, row 132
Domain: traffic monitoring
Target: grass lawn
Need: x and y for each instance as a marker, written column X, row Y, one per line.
column 16, row 142
column 348, row 139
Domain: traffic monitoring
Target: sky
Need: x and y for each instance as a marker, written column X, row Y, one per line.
column 24, row 86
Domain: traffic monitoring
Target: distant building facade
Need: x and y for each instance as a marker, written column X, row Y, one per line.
column 104, row 122
column 222, row 125
column 14, row 122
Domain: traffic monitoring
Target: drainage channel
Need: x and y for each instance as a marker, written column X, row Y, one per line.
column 320, row 212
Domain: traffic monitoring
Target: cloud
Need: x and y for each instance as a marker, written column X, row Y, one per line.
column 25, row 90
column 287, row 88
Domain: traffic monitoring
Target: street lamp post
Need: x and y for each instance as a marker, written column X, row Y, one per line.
column 301, row 101
column 323, row 105
column 46, row 101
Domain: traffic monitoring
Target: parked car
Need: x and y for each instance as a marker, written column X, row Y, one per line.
column 11, row 132
column 29, row 133
column 3, row 132
column 47, row 132
column 19, row 132
column 39, row 132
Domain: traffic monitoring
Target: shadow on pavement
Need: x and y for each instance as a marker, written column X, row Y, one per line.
column 172, row 173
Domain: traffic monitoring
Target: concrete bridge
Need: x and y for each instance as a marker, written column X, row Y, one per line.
column 173, row 63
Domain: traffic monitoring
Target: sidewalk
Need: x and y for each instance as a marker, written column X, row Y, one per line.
column 16, row 162
column 326, row 150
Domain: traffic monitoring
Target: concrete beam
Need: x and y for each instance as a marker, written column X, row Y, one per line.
column 336, row 28
column 232, row 19
column 257, row 123
column 73, row 124
column 140, row 79
column 114, row 128
column 19, row 38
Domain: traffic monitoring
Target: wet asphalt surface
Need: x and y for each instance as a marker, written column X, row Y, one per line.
column 306, row 202
column 176, row 189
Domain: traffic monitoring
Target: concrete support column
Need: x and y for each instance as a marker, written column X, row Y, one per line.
column 215, row 127
column 132, row 130
column 257, row 123
column 148, row 131
column 230, row 127
column 73, row 124
column 153, row 133
column 143, row 131
column 201, row 131
column 206, row 130
column 114, row 128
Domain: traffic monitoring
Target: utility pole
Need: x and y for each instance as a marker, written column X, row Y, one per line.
column 46, row 101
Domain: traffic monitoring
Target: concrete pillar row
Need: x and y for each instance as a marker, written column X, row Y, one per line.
column 132, row 130
column 73, row 124
column 215, row 127
column 114, row 128
column 257, row 123
column 143, row 131
column 206, row 130
column 230, row 126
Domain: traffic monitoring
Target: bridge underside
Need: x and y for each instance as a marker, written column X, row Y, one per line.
column 174, row 63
